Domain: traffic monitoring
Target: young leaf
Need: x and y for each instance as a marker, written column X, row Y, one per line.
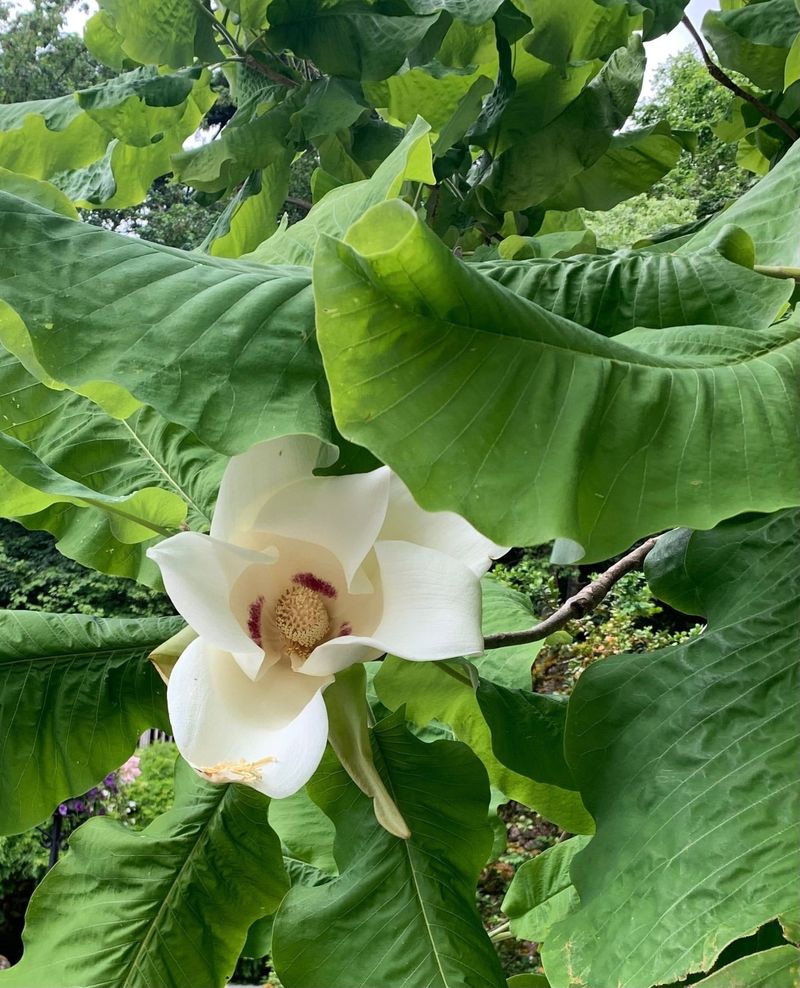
column 429, row 694
column 76, row 693
column 400, row 909
column 170, row 905
column 687, row 760
column 541, row 892
column 651, row 429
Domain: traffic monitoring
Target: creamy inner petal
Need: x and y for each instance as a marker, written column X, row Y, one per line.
column 302, row 600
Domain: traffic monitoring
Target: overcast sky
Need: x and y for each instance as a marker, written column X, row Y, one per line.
column 657, row 51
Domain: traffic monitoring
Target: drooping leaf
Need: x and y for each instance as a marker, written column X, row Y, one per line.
column 613, row 293
column 145, row 471
column 343, row 206
column 755, row 40
column 650, row 429
column 579, row 30
column 541, row 892
column 527, row 732
column 155, row 32
column 224, row 348
column 505, row 609
column 660, row 16
column 353, row 39
column 687, row 760
column 76, row 693
column 251, row 215
column 399, row 907
column 472, row 12
column 542, row 161
column 431, row 694
column 306, row 834
column 137, row 909
column 104, row 144
column 633, row 162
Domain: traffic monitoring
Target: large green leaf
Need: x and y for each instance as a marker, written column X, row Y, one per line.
column 352, row 39
column 660, row 16
column 154, row 31
column 76, row 692
column 401, row 911
column 99, row 475
column 432, row 694
column 648, row 430
column 168, row 906
column 69, row 138
column 224, row 348
column 687, row 761
column 470, row 11
column 542, row 161
column 341, row 207
column 755, row 39
column 578, row 30
column 633, row 162
column 769, row 212
column 612, row 293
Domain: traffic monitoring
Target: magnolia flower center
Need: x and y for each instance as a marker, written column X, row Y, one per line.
column 303, row 619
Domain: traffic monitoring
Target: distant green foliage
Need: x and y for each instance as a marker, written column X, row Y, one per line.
column 629, row 619
column 39, row 60
column 34, row 576
column 689, row 99
column 640, row 217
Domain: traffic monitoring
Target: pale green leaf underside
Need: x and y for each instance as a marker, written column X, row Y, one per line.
column 135, row 910
column 114, row 457
column 613, row 293
column 341, row 207
column 402, row 913
column 688, row 762
column 75, row 694
column 533, row 427
column 224, row 348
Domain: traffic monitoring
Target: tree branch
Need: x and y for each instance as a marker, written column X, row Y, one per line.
column 300, row 203
column 585, row 600
column 725, row 80
column 773, row 271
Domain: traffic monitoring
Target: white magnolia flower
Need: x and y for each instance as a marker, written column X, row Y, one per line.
column 301, row 577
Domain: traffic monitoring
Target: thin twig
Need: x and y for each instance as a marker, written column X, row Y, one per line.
column 585, row 600
column 300, row 203
column 501, row 928
column 725, row 80
column 271, row 74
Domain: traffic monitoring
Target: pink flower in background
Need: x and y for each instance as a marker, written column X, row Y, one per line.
column 130, row 770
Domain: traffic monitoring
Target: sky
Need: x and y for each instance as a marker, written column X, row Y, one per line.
column 660, row 49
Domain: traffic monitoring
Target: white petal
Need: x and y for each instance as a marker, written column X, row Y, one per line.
column 431, row 610
column 446, row 531
column 200, row 574
column 342, row 514
column 253, row 477
column 223, row 722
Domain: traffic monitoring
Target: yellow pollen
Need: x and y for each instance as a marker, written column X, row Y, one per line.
column 302, row 618
column 242, row 770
